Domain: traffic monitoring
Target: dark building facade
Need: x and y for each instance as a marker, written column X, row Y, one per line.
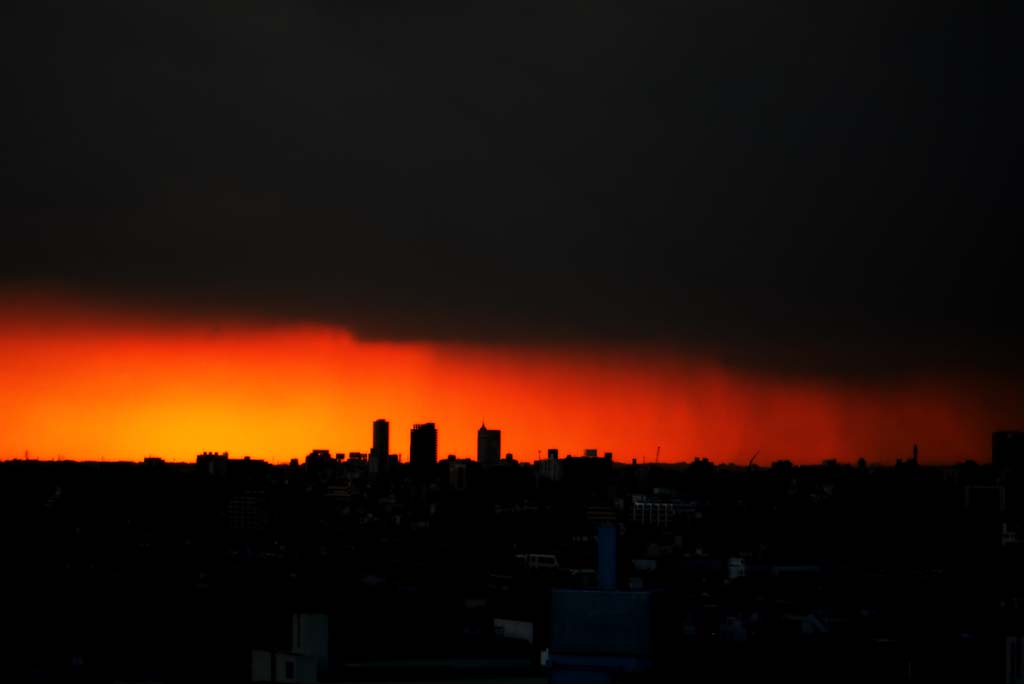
column 423, row 446
column 378, row 460
column 1008, row 450
column 488, row 445
column 381, row 438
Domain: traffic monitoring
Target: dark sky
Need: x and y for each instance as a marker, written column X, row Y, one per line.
column 795, row 187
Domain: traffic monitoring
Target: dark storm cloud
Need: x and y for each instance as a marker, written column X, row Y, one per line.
column 805, row 187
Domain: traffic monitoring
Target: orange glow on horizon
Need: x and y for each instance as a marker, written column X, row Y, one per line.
column 88, row 386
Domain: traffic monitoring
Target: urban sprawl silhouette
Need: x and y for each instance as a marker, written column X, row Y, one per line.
column 363, row 567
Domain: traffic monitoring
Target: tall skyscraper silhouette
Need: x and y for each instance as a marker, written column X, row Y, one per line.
column 488, row 445
column 423, row 446
column 379, row 452
column 380, row 438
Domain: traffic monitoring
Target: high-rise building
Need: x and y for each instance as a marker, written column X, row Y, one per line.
column 378, row 461
column 380, row 438
column 423, row 446
column 488, row 445
column 1008, row 450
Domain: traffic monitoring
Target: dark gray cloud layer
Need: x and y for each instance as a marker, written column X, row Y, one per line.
column 811, row 187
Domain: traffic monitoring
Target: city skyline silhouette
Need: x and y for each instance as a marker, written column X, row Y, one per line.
column 523, row 342
column 87, row 384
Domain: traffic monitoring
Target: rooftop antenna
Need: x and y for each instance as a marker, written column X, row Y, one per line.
column 657, row 454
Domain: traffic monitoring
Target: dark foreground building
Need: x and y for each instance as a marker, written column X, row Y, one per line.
column 488, row 446
column 423, row 446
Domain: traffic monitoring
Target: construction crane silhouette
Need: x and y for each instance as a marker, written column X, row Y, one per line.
column 750, row 463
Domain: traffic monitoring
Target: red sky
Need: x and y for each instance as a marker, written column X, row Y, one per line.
column 85, row 383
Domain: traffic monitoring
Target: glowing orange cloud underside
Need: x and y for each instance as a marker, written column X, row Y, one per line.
column 87, row 386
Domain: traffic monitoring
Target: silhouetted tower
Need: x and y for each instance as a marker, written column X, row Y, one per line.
column 379, row 461
column 488, row 445
column 1008, row 450
column 380, row 438
column 423, row 446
